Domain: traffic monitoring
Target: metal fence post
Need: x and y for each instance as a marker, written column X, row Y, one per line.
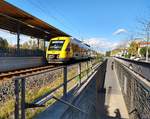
column 16, row 99
column 79, row 72
column 92, row 65
column 22, row 98
column 87, row 69
column 65, row 81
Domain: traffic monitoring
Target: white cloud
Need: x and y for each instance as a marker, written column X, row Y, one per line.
column 101, row 44
column 119, row 31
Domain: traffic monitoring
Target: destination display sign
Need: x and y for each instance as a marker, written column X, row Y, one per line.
column 60, row 41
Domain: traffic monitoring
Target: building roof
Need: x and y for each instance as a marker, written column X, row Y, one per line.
column 144, row 43
column 12, row 17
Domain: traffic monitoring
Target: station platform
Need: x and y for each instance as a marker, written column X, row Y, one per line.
column 110, row 103
column 107, row 104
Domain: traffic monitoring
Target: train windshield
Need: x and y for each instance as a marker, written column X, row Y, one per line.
column 56, row 44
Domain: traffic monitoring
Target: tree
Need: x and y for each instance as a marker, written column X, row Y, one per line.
column 108, row 53
column 25, row 45
column 115, row 51
column 31, row 44
column 3, row 43
column 143, row 51
column 146, row 32
column 133, row 48
column 41, row 44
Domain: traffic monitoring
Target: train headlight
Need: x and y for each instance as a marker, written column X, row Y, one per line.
column 50, row 56
column 57, row 56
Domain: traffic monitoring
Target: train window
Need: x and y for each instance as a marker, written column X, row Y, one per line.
column 56, row 45
column 76, row 54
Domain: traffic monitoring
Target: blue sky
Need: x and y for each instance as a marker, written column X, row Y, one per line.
column 98, row 22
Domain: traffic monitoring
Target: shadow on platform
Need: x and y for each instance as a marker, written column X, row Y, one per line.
column 102, row 109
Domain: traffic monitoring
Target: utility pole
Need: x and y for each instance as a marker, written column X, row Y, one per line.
column 147, row 53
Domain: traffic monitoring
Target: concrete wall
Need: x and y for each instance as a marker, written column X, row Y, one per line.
column 142, row 68
column 13, row 63
column 136, row 91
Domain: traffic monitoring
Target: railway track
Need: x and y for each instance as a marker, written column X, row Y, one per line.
column 24, row 71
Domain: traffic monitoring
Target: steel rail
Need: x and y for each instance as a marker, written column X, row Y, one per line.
column 23, row 71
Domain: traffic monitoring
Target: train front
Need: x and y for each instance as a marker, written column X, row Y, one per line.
column 56, row 52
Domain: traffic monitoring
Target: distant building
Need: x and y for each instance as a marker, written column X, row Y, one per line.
column 144, row 44
column 123, row 51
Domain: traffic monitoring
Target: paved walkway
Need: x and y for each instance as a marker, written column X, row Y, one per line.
column 110, row 103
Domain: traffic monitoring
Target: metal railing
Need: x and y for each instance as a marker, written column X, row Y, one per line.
column 135, row 89
column 141, row 68
column 14, row 52
column 77, row 73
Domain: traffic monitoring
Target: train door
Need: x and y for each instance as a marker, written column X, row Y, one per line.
column 68, row 50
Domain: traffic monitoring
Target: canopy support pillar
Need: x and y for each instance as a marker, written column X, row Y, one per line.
column 38, row 43
column 18, row 37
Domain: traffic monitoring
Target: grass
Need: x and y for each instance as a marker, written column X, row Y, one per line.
column 72, row 83
column 7, row 109
column 39, row 92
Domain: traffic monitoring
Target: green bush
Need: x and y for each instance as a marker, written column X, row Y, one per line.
column 143, row 51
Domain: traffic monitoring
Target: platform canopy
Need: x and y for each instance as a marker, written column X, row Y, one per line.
column 14, row 19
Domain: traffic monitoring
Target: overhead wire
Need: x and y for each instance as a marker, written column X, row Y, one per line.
column 54, row 8
column 67, row 19
column 38, row 5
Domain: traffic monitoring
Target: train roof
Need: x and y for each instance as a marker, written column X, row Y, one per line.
column 80, row 43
